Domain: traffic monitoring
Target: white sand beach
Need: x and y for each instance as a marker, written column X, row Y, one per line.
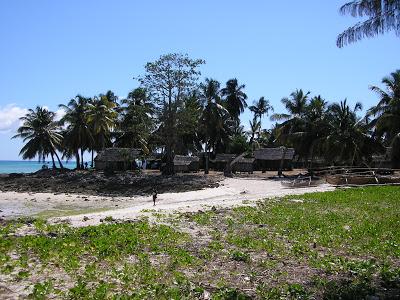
column 74, row 207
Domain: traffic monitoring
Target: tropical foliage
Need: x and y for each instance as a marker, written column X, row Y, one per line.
column 172, row 113
column 41, row 134
column 387, row 114
column 382, row 16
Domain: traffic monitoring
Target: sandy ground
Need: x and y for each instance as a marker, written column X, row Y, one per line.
column 58, row 207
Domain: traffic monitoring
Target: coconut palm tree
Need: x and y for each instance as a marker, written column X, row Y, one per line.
column 311, row 135
column 261, row 107
column 213, row 121
column 382, row 16
column 387, row 112
column 41, row 134
column 135, row 122
column 77, row 135
column 110, row 96
column 101, row 118
column 234, row 98
column 255, row 127
column 293, row 120
column 349, row 140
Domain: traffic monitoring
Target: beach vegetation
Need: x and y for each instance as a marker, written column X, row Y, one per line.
column 342, row 244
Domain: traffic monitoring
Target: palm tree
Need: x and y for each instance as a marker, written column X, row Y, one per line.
column 255, row 127
column 315, row 128
column 387, row 112
column 234, row 98
column 41, row 133
column 101, row 117
column 261, row 108
column 77, row 135
column 135, row 122
column 213, row 120
column 349, row 140
column 382, row 16
column 296, row 106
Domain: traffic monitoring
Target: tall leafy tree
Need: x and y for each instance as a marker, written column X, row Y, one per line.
column 135, row 122
column 41, row 134
column 311, row 135
column 293, row 119
column 110, row 96
column 170, row 79
column 255, row 129
column 387, row 114
column 234, row 98
column 260, row 108
column 381, row 16
column 77, row 135
column 349, row 140
column 188, row 118
column 213, row 121
column 101, row 118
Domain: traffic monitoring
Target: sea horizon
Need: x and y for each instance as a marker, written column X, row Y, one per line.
column 29, row 166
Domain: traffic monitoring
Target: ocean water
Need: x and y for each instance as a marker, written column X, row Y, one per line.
column 28, row 166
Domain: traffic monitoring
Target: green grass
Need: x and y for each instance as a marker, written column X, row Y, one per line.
column 335, row 245
column 65, row 211
column 353, row 221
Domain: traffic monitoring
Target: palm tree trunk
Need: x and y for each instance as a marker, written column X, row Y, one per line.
column 91, row 164
column 78, row 163
column 82, row 159
column 312, row 158
column 280, row 170
column 52, row 159
column 206, row 169
column 59, row 160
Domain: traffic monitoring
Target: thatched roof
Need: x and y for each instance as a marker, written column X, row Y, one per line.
column 224, row 157
column 274, row 153
column 181, row 160
column 384, row 156
column 244, row 160
column 118, row 154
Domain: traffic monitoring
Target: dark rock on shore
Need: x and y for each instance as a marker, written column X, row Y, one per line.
column 97, row 183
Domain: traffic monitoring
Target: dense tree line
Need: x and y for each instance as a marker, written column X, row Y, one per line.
column 172, row 112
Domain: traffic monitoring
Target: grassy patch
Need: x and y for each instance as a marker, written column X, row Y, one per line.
column 65, row 211
column 335, row 245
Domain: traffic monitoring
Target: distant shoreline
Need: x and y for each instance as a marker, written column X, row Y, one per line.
column 29, row 166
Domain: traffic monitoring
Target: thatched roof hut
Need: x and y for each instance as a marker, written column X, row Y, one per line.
column 117, row 159
column 270, row 158
column 244, row 165
column 186, row 163
column 274, row 153
column 383, row 160
column 220, row 161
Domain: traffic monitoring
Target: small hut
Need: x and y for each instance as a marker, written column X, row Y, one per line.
column 117, row 159
column 270, row 158
column 220, row 161
column 186, row 163
column 244, row 165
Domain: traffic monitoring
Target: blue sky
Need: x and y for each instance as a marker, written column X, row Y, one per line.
column 52, row 50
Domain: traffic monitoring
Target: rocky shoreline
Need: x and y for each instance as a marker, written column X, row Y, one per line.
column 97, row 183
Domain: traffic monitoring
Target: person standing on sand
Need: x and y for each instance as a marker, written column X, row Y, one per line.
column 154, row 197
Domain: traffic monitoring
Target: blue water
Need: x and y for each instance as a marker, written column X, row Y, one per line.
column 28, row 166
